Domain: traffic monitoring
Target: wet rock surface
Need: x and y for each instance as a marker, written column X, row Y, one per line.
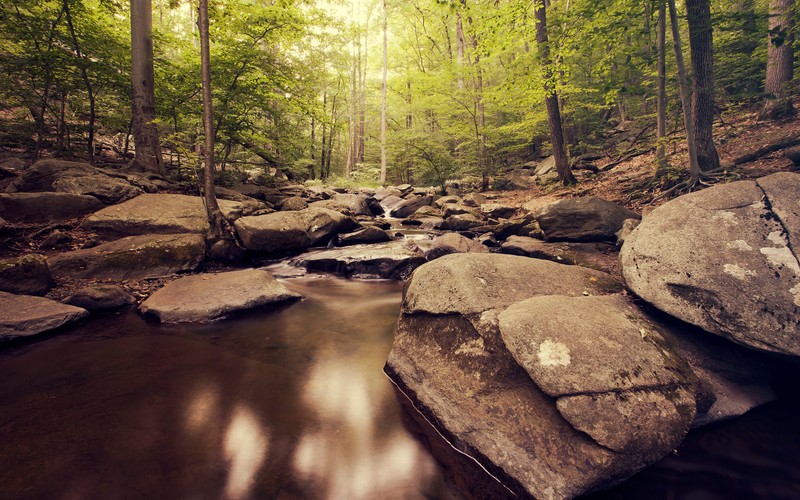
column 390, row 260
column 25, row 315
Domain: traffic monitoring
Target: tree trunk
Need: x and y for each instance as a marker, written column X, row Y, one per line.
column 87, row 83
column 694, row 167
column 661, row 120
column 220, row 240
column 565, row 174
column 383, row 96
column 701, row 47
column 143, row 102
column 780, row 60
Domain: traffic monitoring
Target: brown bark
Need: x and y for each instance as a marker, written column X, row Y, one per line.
column 780, row 60
column 87, row 83
column 563, row 170
column 701, row 47
column 694, row 167
column 143, row 102
column 661, row 119
column 383, row 95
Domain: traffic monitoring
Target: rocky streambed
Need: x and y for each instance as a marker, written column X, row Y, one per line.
column 523, row 338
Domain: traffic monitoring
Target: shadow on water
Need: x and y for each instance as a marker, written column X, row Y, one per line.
column 289, row 403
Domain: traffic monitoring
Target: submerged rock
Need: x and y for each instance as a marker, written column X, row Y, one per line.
column 725, row 259
column 25, row 315
column 391, row 260
column 204, row 297
column 133, row 257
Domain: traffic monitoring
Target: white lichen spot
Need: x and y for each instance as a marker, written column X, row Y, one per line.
column 796, row 292
column 738, row 271
column 482, row 281
column 553, row 354
column 782, row 257
column 740, row 245
column 729, row 217
column 474, row 347
column 778, row 238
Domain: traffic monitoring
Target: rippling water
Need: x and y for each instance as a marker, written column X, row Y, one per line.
column 289, row 403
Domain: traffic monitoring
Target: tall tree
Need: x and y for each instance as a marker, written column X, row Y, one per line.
column 554, row 123
column 83, row 63
column 780, row 60
column 661, row 117
column 701, row 47
column 145, row 133
column 686, row 103
column 383, row 95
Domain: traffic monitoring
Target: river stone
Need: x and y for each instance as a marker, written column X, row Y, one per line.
column 133, row 257
column 297, row 230
column 204, row 297
column 583, row 219
column 46, row 207
column 410, row 205
column 497, row 210
column 163, row 214
column 449, row 358
column 100, row 298
column 26, row 275
column 453, row 243
column 291, row 203
column 442, row 201
column 475, row 282
column 366, row 235
column 723, row 259
column 25, row 315
column 462, row 222
column 348, row 204
column 391, row 260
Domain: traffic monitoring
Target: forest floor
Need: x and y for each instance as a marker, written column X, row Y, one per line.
column 628, row 184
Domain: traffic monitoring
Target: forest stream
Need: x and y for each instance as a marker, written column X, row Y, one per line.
column 286, row 403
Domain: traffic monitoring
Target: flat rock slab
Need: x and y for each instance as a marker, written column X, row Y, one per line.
column 294, row 230
column 46, row 207
column 205, row 297
column 475, row 282
column 391, row 260
column 725, row 259
column 25, row 315
column 100, row 298
column 133, row 257
column 162, row 213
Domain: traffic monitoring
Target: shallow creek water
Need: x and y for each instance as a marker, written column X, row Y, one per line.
column 288, row 403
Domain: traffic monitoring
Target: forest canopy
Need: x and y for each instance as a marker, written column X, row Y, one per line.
column 297, row 85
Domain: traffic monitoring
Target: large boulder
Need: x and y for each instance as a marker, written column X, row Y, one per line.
column 453, row 243
column 367, row 235
column 76, row 178
column 26, row 275
column 286, row 231
column 582, row 219
column 350, row 204
column 46, row 207
column 204, row 297
column 409, row 205
column 25, row 315
column 391, row 260
column 164, row 214
column 725, row 259
column 601, row 256
column 133, row 257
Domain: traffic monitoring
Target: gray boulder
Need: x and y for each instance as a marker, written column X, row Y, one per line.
column 11, row 167
column 497, row 210
column 204, row 297
column 366, row 235
column 725, row 259
column 410, row 205
column 100, row 298
column 348, row 204
column 392, row 260
column 462, row 222
column 582, row 219
column 133, row 257
column 46, row 207
column 286, row 231
column 163, row 214
column 453, row 243
column 26, row 275
column 25, row 315
column 292, row 203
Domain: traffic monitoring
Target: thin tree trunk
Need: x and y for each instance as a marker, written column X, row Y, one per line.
column 661, row 120
column 62, row 123
column 87, row 83
column 694, row 167
column 565, row 174
column 701, row 47
column 383, row 95
column 143, row 108
column 780, row 60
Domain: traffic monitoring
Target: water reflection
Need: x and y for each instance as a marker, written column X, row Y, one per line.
column 289, row 403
